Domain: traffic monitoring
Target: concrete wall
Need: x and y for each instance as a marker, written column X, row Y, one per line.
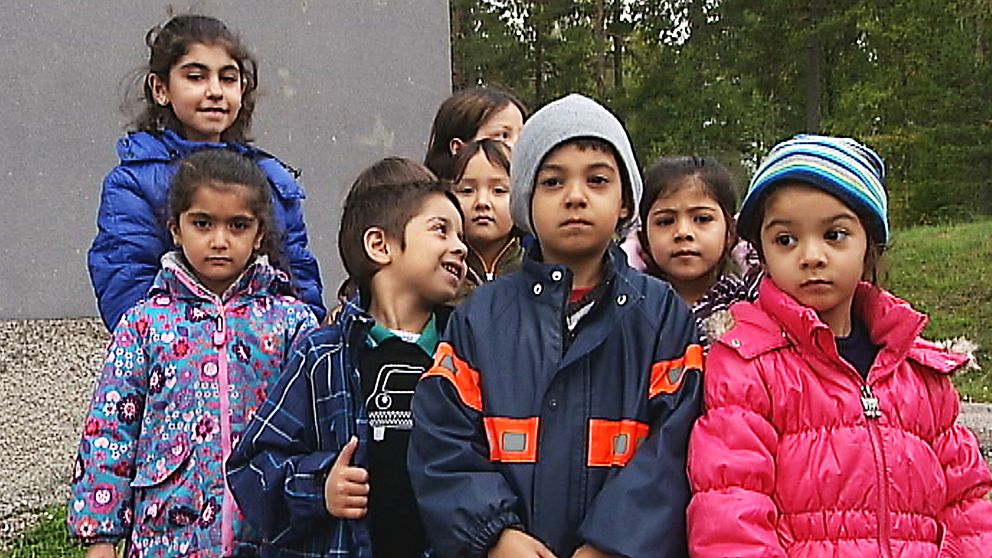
column 342, row 83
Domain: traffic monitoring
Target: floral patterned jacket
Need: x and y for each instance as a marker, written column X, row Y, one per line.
column 184, row 373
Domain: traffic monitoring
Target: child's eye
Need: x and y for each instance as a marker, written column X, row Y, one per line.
column 239, row 225
column 465, row 190
column 501, row 189
column 550, row 182
column 194, row 76
column 599, row 180
column 664, row 221
column 201, row 223
column 704, row 218
column 233, row 78
column 785, row 240
column 835, row 235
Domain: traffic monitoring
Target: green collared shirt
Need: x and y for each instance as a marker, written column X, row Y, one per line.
column 427, row 340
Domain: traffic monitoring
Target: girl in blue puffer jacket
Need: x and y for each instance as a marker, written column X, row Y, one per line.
column 199, row 93
column 186, row 370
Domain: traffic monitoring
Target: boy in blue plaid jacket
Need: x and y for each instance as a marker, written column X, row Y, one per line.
column 340, row 413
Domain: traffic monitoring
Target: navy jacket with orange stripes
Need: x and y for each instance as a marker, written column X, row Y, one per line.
column 584, row 444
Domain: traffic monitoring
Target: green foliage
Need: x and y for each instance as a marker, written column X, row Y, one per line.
column 48, row 540
column 944, row 272
column 912, row 78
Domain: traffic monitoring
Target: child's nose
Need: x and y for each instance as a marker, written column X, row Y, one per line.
column 459, row 248
column 812, row 255
column 575, row 193
column 214, row 89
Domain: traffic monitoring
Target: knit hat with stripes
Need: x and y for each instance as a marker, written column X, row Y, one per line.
column 840, row 166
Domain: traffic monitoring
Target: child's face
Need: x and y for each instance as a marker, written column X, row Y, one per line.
column 687, row 233
column 432, row 265
column 814, row 248
column 484, row 194
column 204, row 91
column 503, row 125
column 577, row 204
column 218, row 235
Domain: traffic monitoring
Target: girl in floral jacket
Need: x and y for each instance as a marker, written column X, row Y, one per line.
column 186, row 370
column 830, row 425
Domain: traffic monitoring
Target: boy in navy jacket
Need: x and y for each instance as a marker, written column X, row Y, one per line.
column 321, row 469
column 556, row 417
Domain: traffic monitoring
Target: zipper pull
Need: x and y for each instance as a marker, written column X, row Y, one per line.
column 870, row 403
column 490, row 276
column 219, row 333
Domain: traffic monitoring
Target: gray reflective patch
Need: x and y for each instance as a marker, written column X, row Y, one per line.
column 620, row 444
column 514, row 441
column 446, row 362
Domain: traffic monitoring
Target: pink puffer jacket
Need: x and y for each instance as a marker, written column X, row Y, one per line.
column 798, row 456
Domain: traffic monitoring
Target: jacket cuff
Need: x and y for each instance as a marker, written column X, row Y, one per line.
column 490, row 531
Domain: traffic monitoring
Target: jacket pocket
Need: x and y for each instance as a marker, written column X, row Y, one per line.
column 169, row 497
column 948, row 544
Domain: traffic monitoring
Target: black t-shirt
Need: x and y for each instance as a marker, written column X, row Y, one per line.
column 389, row 372
column 857, row 348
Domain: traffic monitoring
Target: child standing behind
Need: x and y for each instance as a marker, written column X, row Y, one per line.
column 199, row 93
column 482, row 186
column 687, row 233
column 322, row 468
column 830, row 425
column 556, row 417
column 186, row 370
column 470, row 115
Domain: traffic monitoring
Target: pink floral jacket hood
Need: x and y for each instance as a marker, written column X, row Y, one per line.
column 797, row 455
column 184, row 373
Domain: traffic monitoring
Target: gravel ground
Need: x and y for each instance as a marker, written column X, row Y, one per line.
column 47, row 372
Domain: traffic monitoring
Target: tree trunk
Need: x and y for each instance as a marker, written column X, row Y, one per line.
column 457, row 74
column 814, row 72
column 599, row 34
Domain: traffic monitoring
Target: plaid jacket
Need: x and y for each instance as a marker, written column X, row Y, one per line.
column 277, row 471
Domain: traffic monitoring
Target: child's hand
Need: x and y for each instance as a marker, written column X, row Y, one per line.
column 517, row 544
column 587, row 551
column 346, row 491
column 101, row 550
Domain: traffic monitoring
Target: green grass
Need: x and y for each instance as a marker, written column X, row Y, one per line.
column 946, row 272
column 49, row 539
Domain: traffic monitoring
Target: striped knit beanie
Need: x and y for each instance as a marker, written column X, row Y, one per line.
column 840, row 166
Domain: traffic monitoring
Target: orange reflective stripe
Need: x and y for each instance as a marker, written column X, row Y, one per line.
column 512, row 440
column 667, row 375
column 613, row 442
column 466, row 381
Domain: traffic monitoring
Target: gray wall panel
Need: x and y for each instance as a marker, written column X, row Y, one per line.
column 343, row 83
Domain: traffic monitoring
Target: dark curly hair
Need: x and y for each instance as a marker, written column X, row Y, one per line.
column 170, row 42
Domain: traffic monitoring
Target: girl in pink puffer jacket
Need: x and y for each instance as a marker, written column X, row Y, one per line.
column 830, row 424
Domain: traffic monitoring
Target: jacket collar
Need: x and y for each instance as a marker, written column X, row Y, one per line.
column 507, row 261
column 776, row 319
column 259, row 279
column 165, row 145
column 536, row 271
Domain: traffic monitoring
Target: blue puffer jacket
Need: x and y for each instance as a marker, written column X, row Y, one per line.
column 132, row 237
column 580, row 443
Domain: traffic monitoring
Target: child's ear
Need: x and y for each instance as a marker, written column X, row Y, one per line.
column 258, row 239
column 160, row 93
column 455, row 146
column 174, row 231
column 624, row 213
column 376, row 245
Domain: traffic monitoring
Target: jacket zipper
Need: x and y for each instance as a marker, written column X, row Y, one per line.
column 227, row 507
column 491, row 273
column 872, row 412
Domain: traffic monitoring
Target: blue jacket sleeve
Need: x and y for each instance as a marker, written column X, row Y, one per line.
column 278, row 469
column 287, row 197
column 464, row 501
column 131, row 238
column 654, row 484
